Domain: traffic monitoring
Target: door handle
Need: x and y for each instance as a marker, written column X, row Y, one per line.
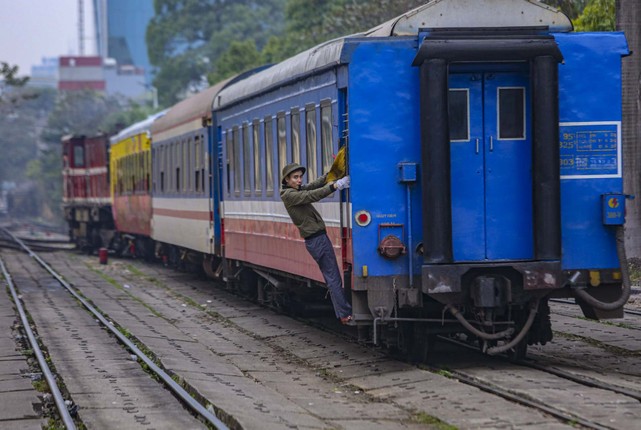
column 477, row 145
column 491, row 143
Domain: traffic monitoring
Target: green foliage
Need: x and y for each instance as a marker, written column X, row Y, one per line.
column 572, row 8
column 10, row 75
column 598, row 15
column 20, row 124
column 186, row 38
column 121, row 119
column 361, row 15
column 45, row 172
column 79, row 112
column 239, row 57
column 13, row 91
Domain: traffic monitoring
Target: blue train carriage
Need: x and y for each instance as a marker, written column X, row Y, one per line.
column 484, row 149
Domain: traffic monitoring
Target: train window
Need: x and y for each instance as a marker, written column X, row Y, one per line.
column 327, row 145
column 295, row 133
column 187, row 164
column 134, row 172
column 236, row 138
column 269, row 156
column 162, row 169
column 170, row 167
column 202, row 162
column 247, row 148
column 120, row 184
column 282, row 141
column 310, row 126
column 197, row 164
column 179, row 162
column 459, row 114
column 511, row 111
column 258, row 171
column 148, row 171
column 78, row 156
column 230, row 151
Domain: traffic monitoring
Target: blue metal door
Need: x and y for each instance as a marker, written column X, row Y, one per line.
column 491, row 166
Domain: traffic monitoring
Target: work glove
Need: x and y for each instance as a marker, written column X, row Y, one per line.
column 342, row 183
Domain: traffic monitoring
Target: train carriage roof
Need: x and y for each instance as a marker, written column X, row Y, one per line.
column 196, row 108
column 137, row 128
column 435, row 14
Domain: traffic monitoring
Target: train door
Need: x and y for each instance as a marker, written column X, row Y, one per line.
column 491, row 166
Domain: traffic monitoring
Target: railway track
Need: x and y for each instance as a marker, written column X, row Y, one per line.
column 241, row 332
column 500, row 364
column 201, row 410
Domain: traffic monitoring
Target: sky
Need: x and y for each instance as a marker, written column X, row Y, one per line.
column 32, row 29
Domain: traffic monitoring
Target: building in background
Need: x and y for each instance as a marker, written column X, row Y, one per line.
column 120, row 27
column 121, row 64
column 45, row 74
column 99, row 74
column 81, row 73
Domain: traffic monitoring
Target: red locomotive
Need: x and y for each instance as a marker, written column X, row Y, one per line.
column 86, row 198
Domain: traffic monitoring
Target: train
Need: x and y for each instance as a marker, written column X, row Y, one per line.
column 483, row 142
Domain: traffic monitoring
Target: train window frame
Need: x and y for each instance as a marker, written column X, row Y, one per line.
column 148, row 174
column 467, row 113
column 179, row 163
column 78, row 154
column 268, row 134
column 311, row 144
column 281, row 138
column 258, row 166
column 196, row 169
column 326, row 135
column 187, row 164
column 134, row 172
column 247, row 159
column 229, row 145
column 203, row 160
column 236, row 160
column 295, row 135
column 499, row 104
column 161, row 169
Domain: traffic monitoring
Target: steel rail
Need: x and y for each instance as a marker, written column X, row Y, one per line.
column 570, row 302
column 42, row 362
column 173, row 385
column 509, row 395
column 506, row 394
column 579, row 379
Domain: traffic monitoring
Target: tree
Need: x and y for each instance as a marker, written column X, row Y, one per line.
column 598, row 15
column 186, row 38
column 13, row 91
column 239, row 57
column 361, row 15
column 628, row 18
column 572, row 8
column 79, row 112
column 20, row 123
column 10, row 75
column 311, row 22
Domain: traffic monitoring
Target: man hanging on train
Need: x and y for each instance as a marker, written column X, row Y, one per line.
column 298, row 199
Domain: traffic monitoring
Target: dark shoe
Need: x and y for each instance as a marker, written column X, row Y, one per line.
column 348, row 320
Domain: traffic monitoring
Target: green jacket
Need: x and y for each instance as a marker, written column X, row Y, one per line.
column 299, row 205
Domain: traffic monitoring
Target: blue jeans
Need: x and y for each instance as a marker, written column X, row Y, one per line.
column 322, row 251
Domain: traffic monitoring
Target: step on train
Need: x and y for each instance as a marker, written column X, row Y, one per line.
column 483, row 142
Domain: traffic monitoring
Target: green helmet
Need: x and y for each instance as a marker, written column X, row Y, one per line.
column 289, row 169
